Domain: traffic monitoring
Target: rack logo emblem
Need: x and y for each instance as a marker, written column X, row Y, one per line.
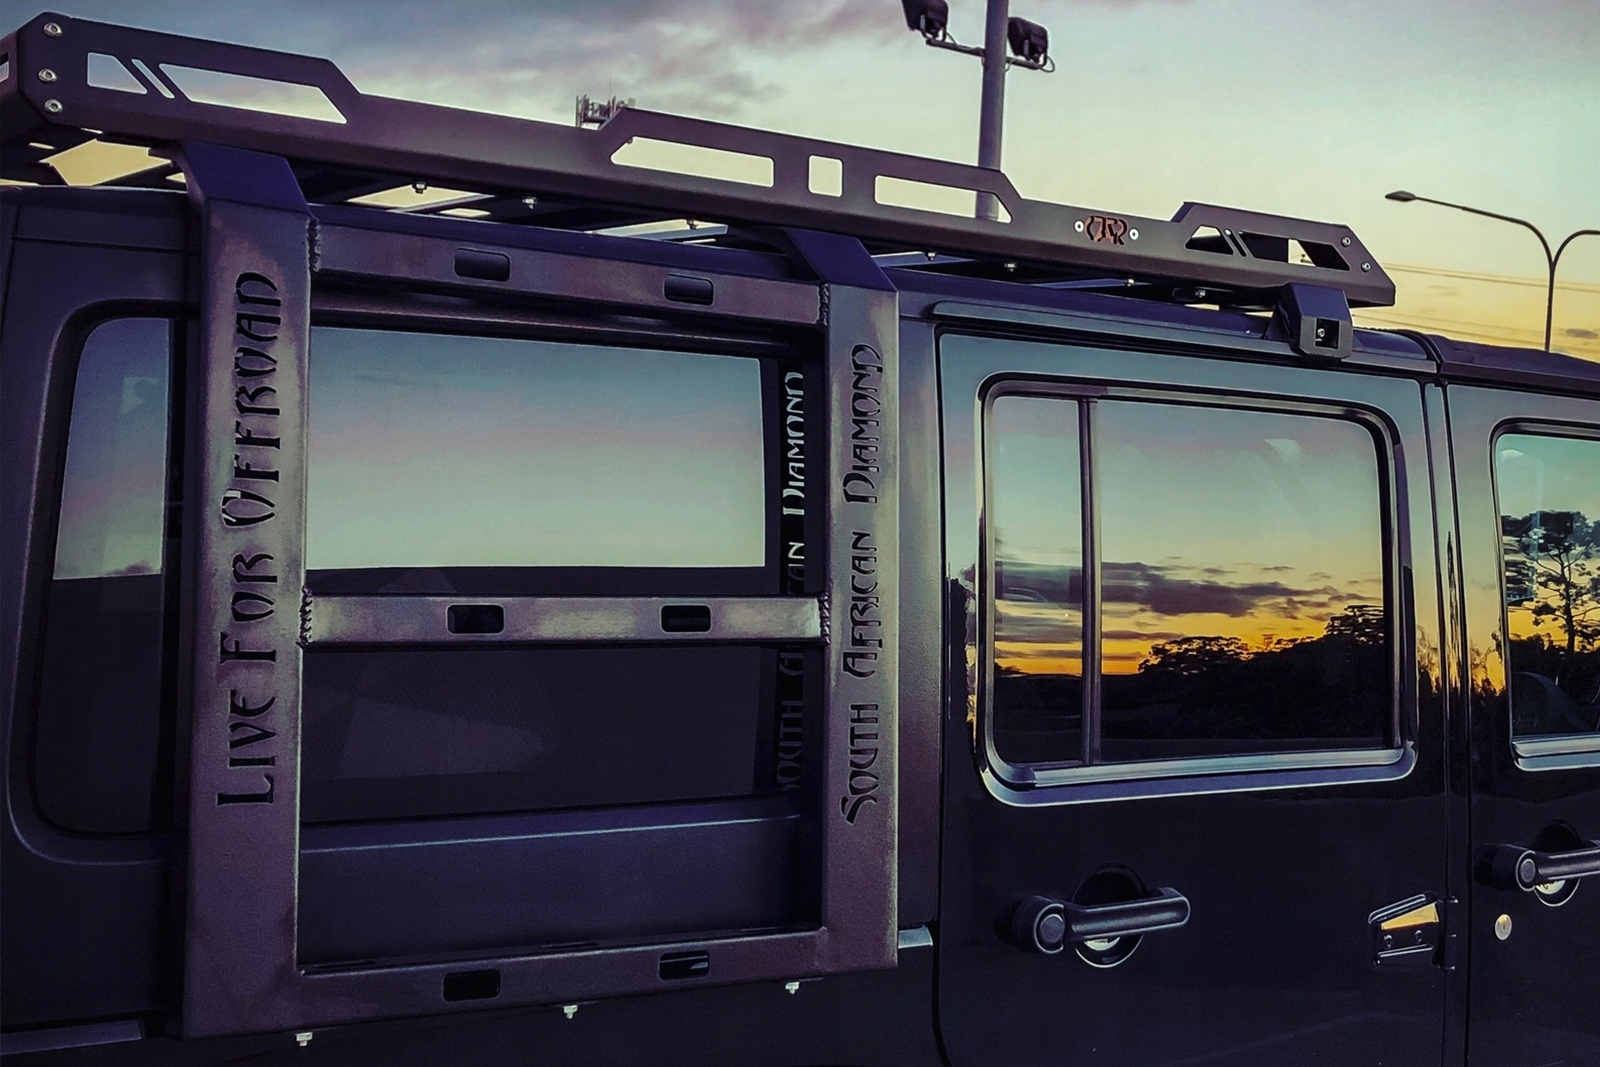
column 1105, row 229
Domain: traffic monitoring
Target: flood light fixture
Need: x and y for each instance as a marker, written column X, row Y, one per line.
column 1030, row 42
column 927, row 17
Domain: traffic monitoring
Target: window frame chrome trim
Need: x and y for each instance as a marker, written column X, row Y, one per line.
column 1031, row 785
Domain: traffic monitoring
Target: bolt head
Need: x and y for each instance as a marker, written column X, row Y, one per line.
column 1078, row 226
column 53, row 106
column 1133, row 235
column 1502, row 927
column 1366, row 267
column 47, row 75
column 52, row 29
column 1345, row 241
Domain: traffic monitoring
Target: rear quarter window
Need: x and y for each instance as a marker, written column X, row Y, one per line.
column 102, row 710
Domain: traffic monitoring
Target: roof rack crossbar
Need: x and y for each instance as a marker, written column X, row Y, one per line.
column 476, row 151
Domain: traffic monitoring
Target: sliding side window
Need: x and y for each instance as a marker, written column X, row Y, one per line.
column 1221, row 573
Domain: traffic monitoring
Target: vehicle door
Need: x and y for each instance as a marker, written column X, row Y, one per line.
column 1528, row 477
column 1194, row 806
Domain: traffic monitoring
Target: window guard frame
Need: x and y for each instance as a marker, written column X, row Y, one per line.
column 242, row 973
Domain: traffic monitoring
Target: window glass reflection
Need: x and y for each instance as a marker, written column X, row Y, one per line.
column 1242, row 583
column 1035, row 519
column 113, row 492
column 100, row 717
column 431, row 450
column 1548, row 489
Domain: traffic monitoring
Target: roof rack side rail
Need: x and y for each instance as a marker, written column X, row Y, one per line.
column 1217, row 247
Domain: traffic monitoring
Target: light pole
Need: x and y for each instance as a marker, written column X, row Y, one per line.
column 1030, row 45
column 1551, row 259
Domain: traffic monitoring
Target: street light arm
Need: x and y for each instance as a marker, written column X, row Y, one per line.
column 1551, row 259
column 1562, row 247
column 950, row 44
column 1524, row 223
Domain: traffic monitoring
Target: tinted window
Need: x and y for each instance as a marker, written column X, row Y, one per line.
column 1548, row 491
column 100, row 707
column 1241, row 582
column 1036, row 576
column 438, row 451
column 414, row 732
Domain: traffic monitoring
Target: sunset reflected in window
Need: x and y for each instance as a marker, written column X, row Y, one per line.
column 1548, row 490
column 1237, row 571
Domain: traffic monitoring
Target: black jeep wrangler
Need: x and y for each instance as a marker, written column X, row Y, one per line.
column 523, row 628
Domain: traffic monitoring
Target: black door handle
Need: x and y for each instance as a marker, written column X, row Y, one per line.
column 1046, row 925
column 1515, row 867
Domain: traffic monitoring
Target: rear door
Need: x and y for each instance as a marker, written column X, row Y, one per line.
column 1528, row 474
column 1194, row 765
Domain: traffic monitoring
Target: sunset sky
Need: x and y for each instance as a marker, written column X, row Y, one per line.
column 1291, row 106
column 1212, row 522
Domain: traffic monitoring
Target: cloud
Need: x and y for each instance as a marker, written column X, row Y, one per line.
column 1042, row 592
column 700, row 56
column 1157, row 589
column 1149, row 636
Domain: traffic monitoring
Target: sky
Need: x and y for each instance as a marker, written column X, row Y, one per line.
column 1296, row 107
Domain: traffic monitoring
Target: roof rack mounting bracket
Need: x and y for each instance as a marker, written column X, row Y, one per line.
column 1317, row 319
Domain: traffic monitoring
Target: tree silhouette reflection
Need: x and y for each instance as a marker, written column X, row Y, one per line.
column 1213, row 695
column 1552, row 581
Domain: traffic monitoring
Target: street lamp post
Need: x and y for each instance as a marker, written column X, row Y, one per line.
column 1030, row 45
column 1551, row 259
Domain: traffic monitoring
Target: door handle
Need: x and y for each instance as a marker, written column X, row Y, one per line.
column 1515, row 867
column 1044, row 924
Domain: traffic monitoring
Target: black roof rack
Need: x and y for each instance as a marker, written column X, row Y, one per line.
column 362, row 143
